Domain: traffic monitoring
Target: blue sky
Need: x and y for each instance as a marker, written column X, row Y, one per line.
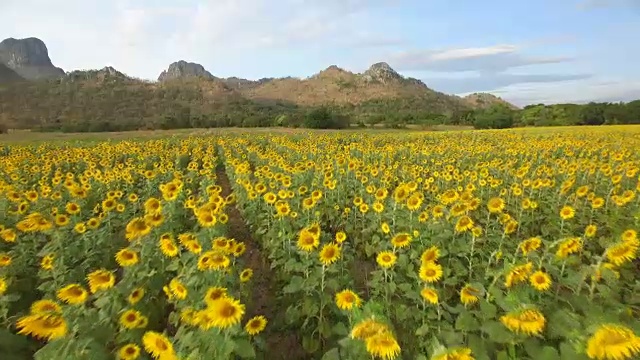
column 524, row 51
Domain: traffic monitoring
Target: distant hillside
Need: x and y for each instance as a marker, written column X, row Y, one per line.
column 186, row 95
column 29, row 58
column 8, row 76
column 337, row 86
column 485, row 100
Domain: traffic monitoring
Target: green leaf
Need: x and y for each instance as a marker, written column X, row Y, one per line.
column 295, row 284
column 422, row 330
column 488, row 310
column 467, row 322
column 333, row 354
column 340, row 329
column 244, row 349
column 478, row 347
column 497, row 332
column 548, row 353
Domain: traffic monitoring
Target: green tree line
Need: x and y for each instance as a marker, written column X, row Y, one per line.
column 121, row 104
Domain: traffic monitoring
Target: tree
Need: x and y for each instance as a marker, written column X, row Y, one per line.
column 323, row 118
column 592, row 114
column 498, row 116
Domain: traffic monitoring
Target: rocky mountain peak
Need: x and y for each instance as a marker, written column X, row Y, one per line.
column 184, row 69
column 29, row 58
column 381, row 72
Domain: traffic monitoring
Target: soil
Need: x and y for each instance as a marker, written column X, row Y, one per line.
column 280, row 344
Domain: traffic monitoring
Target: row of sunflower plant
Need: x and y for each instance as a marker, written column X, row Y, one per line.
column 118, row 250
column 514, row 244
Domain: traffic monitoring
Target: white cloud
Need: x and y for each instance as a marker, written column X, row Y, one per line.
column 142, row 37
column 496, row 58
column 578, row 91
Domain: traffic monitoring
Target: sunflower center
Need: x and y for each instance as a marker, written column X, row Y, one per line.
column 131, row 317
column 161, row 345
column 430, row 272
column 76, row 292
column 228, row 311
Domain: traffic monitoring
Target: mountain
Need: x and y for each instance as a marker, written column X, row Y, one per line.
column 187, row 95
column 182, row 69
column 485, row 100
column 29, row 58
column 337, row 86
column 7, row 75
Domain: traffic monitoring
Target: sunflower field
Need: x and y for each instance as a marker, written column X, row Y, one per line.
column 518, row 244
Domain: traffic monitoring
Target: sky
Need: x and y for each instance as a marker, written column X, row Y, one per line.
column 525, row 51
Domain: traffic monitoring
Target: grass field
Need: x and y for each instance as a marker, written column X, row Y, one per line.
column 296, row 244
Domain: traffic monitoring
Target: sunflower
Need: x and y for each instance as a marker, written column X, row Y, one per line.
column 137, row 228
column 177, row 289
column 206, row 218
column 621, row 252
column 239, row 249
column 168, row 247
column 329, row 254
column 457, row 353
column 130, row 319
column 193, row 246
column 219, row 261
column 3, row 286
column 61, row 220
column 518, row 274
column 101, row 279
column 530, row 245
column 136, row 295
column 430, row 255
column 384, row 227
column 307, row 241
column 367, row 328
column 341, row 237
column 567, row 212
column 569, row 246
column 158, row 345
column 93, row 223
column 73, row 294
column 5, row 259
column 430, row 272
column 245, row 275
column 47, row 262
column 469, row 295
column 540, row 280
column 152, row 206
column 255, row 325
column 464, row 223
column 42, row 326
column 386, row 259
column 590, row 231
column 528, row 322
column 80, row 228
column 347, row 300
column 430, row 295
column 225, row 312
column 383, row 345
column 127, row 257
column 154, row 219
column 213, row 294
column 45, row 306
column 613, row 342
column 495, row 205
column 72, row 208
column 129, row 352
column 401, row 240
column 629, row 236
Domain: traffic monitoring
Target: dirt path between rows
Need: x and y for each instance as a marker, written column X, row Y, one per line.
column 279, row 345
